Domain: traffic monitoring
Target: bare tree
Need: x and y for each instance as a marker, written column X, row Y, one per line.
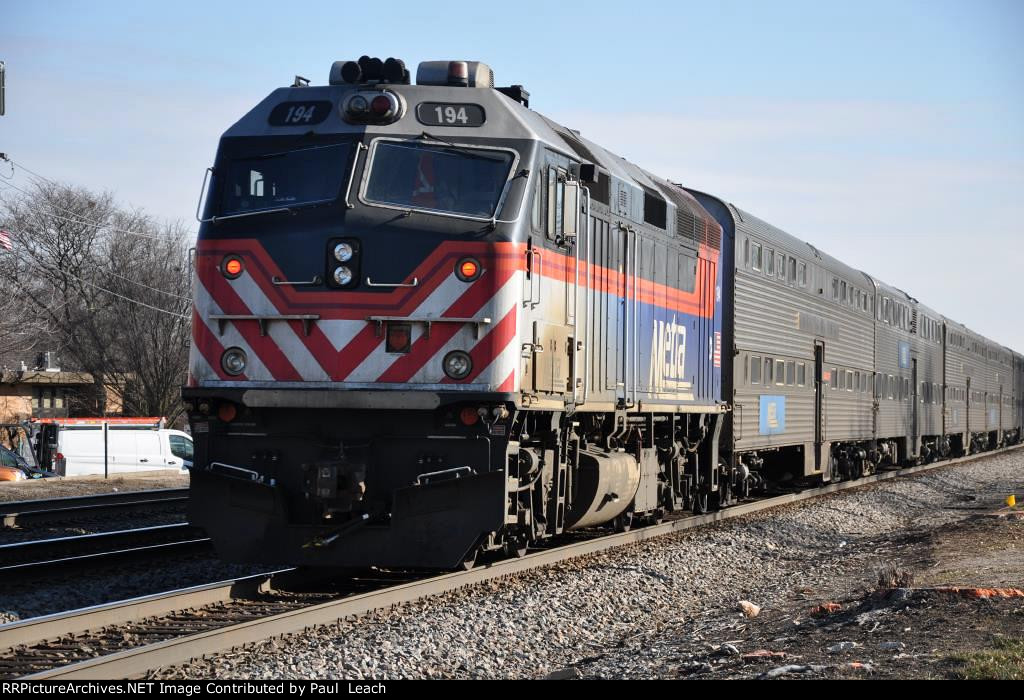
column 111, row 284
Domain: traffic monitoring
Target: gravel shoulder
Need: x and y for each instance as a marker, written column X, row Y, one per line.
column 664, row 608
column 60, row 487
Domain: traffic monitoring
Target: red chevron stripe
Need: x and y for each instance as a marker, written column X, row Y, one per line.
column 509, row 384
column 264, row 346
column 332, row 305
column 467, row 305
column 209, row 347
column 491, row 346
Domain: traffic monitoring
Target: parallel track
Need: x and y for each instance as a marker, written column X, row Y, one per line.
column 218, row 617
column 65, row 554
column 15, row 514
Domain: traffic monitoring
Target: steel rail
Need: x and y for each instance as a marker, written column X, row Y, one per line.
column 138, row 661
column 16, row 513
column 38, row 629
column 23, row 559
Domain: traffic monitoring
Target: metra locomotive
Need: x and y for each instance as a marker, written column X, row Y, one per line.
column 430, row 322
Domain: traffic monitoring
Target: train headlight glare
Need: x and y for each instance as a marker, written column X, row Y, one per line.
column 234, row 361
column 343, row 252
column 457, row 364
column 342, row 275
column 358, row 105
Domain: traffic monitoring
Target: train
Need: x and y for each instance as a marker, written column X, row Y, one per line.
column 431, row 324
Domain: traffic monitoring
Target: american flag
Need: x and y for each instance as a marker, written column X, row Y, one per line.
column 5, row 240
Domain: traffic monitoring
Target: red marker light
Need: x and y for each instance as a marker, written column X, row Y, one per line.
column 467, row 269
column 227, row 412
column 231, row 267
column 469, row 416
column 380, row 105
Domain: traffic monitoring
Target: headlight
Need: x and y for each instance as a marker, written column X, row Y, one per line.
column 343, row 252
column 233, row 361
column 457, row 364
column 342, row 275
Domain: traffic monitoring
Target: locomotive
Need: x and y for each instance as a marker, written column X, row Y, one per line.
column 431, row 323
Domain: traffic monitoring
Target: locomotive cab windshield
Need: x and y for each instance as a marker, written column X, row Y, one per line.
column 285, row 179
column 463, row 180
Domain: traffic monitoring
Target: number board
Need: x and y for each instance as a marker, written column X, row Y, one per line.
column 299, row 113
column 450, row 114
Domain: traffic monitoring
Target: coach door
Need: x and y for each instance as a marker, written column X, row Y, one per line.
column 915, row 438
column 819, row 404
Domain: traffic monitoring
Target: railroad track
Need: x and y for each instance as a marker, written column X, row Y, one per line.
column 131, row 638
column 14, row 514
column 29, row 559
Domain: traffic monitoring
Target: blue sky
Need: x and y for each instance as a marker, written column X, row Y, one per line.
column 886, row 133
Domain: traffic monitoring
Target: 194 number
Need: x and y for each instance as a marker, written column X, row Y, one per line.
column 299, row 114
column 451, row 115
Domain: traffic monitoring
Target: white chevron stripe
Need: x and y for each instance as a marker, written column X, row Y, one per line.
column 198, row 366
column 465, row 339
column 255, row 370
column 378, row 361
column 281, row 333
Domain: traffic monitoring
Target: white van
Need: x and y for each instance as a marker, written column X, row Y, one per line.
column 130, row 448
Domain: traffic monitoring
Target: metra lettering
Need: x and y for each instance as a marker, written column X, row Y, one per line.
column 668, row 352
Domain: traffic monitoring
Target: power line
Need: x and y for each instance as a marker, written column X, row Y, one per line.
column 153, row 289
column 128, row 299
column 125, row 298
column 79, row 218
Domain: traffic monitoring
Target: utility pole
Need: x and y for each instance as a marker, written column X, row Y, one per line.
column 2, row 66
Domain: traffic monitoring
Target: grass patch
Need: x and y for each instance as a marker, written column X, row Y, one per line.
column 1003, row 662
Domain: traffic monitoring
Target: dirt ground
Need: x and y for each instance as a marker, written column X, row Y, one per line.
column 870, row 630
column 86, row 485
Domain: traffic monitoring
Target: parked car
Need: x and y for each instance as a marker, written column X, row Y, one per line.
column 13, row 467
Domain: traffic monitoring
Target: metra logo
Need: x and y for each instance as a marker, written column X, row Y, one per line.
column 668, row 351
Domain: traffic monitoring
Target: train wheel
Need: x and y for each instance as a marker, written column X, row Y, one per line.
column 515, row 547
column 623, row 522
column 700, row 503
column 469, row 561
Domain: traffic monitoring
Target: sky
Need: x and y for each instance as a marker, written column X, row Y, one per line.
column 888, row 134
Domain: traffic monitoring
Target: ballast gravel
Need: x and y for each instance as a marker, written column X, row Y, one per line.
column 608, row 615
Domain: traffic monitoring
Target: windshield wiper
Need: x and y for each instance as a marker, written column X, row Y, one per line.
column 471, row 152
column 215, row 219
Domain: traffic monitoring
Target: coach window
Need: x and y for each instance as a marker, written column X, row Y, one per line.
column 906, row 388
column 769, row 262
column 790, row 373
column 792, row 270
column 755, row 369
column 802, row 274
column 835, row 378
column 801, row 374
column 755, row 256
column 782, row 267
column 780, row 372
column 746, row 251
column 835, row 289
column 768, row 366
column 849, row 380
